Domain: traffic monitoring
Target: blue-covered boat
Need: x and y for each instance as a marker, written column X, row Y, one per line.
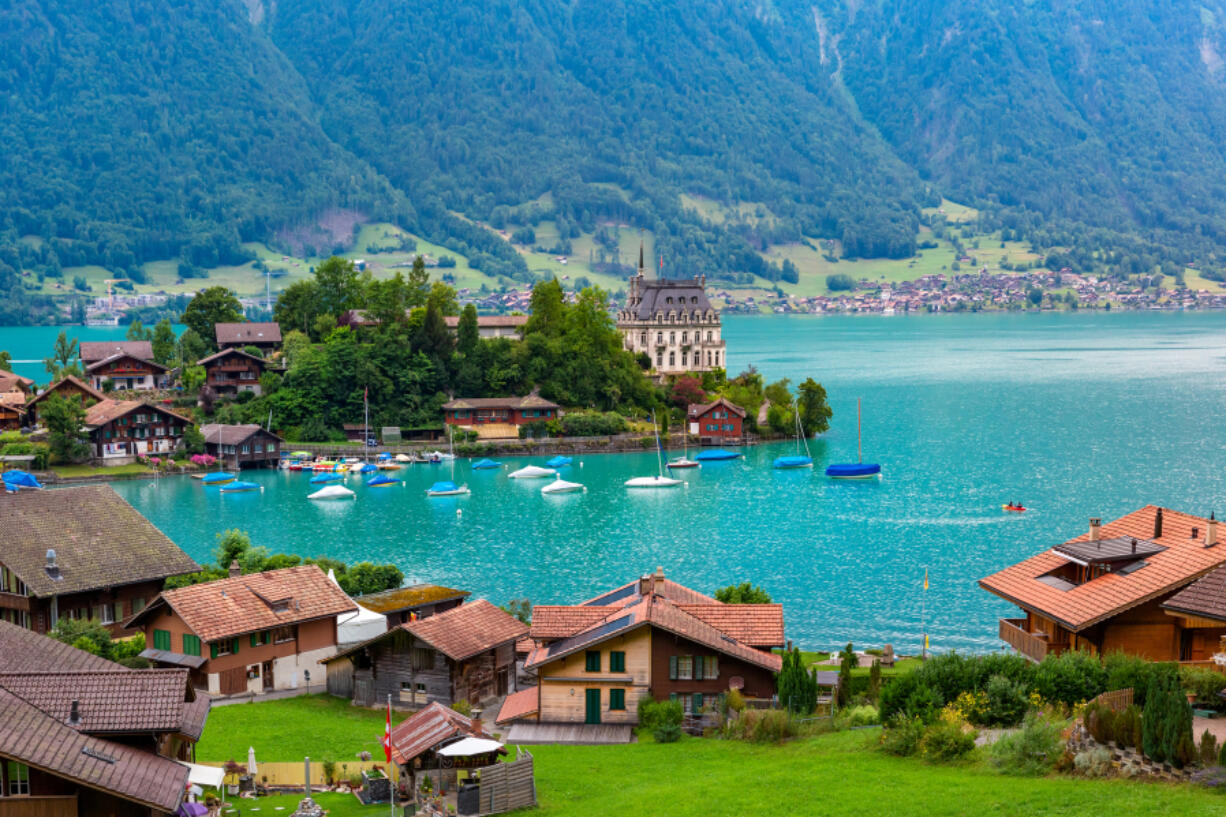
column 853, row 470
column 793, row 461
column 384, row 456
column 558, row 461
column 217, row 478
column 716, row 454
column 239, row 487
column 14, row 481
column 365, row 468
column 325, row 477
column 486, row 464
column 382, row 481
column 446, row 488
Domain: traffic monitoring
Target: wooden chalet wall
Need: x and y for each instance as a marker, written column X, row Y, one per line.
column 391, row 663
column 564, row 683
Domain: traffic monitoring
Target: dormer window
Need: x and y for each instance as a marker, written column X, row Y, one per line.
column 1091, row 559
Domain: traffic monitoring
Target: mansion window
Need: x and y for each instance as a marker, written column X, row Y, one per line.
column 683, row 356
column 18, row 775
column 643, row 338
column 672, row 337
column 708, row 337
column 685, row 337
column 717, row 358
column 708, row 358
column 659, row 359
column 672, row 359
column 659, row 337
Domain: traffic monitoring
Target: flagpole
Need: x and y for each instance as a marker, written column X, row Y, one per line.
column 924, row 614
column 391, row 799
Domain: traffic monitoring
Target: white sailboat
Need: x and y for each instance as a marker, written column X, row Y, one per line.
column 659, row 480
column 684, row 460
column 448, row 487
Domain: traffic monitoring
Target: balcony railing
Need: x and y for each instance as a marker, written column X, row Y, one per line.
column 1035, row 646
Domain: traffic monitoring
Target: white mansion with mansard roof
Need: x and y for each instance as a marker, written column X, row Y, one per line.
column 673, row 323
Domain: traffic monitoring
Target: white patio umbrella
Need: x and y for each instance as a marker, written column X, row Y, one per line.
column 251, row 770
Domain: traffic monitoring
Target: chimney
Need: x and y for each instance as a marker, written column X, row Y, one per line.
column 1211, row 531
column 1094, row 523
column 53, row 567
column 1158, row 524
column 235, row 570
column 645, row 582
column 74, row 714
column 1134, row 545
column 1195, row 533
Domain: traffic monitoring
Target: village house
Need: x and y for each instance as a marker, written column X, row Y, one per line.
column 13, row 412
column 242, row 446
column 80, row 553
column 416, row 741
column 496, row 417
column 405, row 604
column 81, row 736
column 465, row 653
column 1132, row 585
column 672, row 322
column 263, row 336
column 124, row 365
column 120, row 431
column 651, row 638
column 68, row 387
column 720, row 422
column 10, row 382
column 247, row 633
column 492, row 326
column 232, row 370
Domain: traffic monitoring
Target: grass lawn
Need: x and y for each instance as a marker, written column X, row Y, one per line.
column 838, row 774
column 334, row 803
column 316, row 726
column 90, row 470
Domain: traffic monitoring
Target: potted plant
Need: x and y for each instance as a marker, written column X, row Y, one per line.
column 233, row 770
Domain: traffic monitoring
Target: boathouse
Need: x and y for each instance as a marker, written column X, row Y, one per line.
column 247, row 445
column 232, row 370
column 1141, row 584
column 248, row 633
column 495, row 417
column 718, row 423
column 80, row 553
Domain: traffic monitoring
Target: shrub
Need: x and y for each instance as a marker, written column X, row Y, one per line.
column 1070, row 677
column 1007, row 701
column 797, row 686
column 1094, row 762
column 666, row 733
column 463, row 707
column 874, row 681
column 863, row 716
column 839, row 282
column 1128, row 727
column 947, row 740
column 1131, row 672
column 1208, row 748
column 1032, row 750
column 593, row 424
column 902, row 736
column 1204, row 683
column 923, row 703
column 654, row 714
column 1166, row 723
column 734, row 700
column 764, row 726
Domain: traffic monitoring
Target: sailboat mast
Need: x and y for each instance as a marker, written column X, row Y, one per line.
column 859, row 449
column 659, row 456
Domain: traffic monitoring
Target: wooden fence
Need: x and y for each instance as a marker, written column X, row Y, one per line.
column 1117, row 700
column 293, row 775
column 508, row 786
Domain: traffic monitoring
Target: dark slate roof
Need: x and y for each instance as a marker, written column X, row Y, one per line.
column 109, row 701
column 99, row 540
column 30, row 736
column 699, row 409
column 27, row 650
column 102, row 349
column 103, row 412
column 1205, row 597
column 247, row 332
column 145, row 361
column 219, row 434
column 687, row 294
column 1102, row 551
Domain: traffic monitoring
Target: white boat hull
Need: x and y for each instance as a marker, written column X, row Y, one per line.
column 561, row 486
column 653, row 482
column 457, row 492
column 532, row 472
column 332, row 492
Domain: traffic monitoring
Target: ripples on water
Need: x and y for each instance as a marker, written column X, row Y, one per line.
column 1075, row 415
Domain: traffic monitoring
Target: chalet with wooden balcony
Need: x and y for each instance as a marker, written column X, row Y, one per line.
column 120, row 431
column 248, row 633
column 1124, row 586
column 232, row 370
column 498, row 416
column 265, row 336
column 652, row 638
column 80, row 553
column 15, row 382
column 81, row 736
column 127, row 365
column 69, row 388
column 247, row 445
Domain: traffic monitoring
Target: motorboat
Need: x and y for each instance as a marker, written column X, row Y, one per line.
column 332, row 492
column 325, row 478
column 716, row 454
column 684, row 460
column 382, row 481
column 561, row 486
column 532, row 472
column 405, row 458
column 389, row 465
column 364, row 468
column 486, row 465
column 217, row 478
column 240, row 487
column 447, row 488
column 558, row 461
column 659, row 480
column 855, row 470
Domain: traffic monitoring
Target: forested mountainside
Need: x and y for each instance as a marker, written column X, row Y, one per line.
column 138, row 130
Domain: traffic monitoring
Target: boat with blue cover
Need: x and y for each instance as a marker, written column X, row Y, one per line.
column 217, row 478
column 558, row 461
column 446, row 488
column 15, row 480
column 326, row 477
column 382, row 481
column 716, row 454
column 238, row 487
column 855, row 470
column 797, row 460
column 486, row 465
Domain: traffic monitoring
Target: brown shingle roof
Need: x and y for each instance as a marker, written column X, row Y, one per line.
column 464, row 631
column 759, row 625
column 699, row 409
column 405, row 598
column 256, row 601
column 249, row 332
column 40, row 741
column 99, row 540
column 1204, row 597
column 97, row 364
column 92, row 351
column 231, row 352
column 453, row 321
column 27, row 650
column 131, row 700
column 1184, row 560
column 421, row 732
column 107, row 410
column 70, row 379
column 530, row 401
column 14, row 382
column 220, row 434
column 519, row 704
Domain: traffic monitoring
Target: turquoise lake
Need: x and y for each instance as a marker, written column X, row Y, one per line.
column 1076, row 415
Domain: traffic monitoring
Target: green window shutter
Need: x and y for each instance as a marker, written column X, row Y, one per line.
column 672, row 696
column 672, row 668
column 593, row 661
column 617, row 662
column 617, row 699
column 696, row 704
column 234, row 646
column 255, row 639
column 697, row 667
column 213, row 650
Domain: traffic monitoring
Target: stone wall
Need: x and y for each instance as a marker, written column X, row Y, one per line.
column 1125, row 761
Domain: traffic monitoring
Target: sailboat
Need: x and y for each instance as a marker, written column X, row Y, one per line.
column 796, row 460
column 659, row 480
column 448, row 487
column 684, row 460
column 218, row 477
column 855, row 470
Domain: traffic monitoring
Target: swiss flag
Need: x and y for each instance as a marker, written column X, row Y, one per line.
column 387, row 733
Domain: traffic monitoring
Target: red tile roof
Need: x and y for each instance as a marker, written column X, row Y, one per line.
column 1184, row 560
column 519, row 704
column 699, row 409
column 125, row 700
column 560, row 621
column 14, row 382
column 256, row 601
column 97, row 364
column 489, row 321
column 759, row 625
column 421, row 732
column 464, row 631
